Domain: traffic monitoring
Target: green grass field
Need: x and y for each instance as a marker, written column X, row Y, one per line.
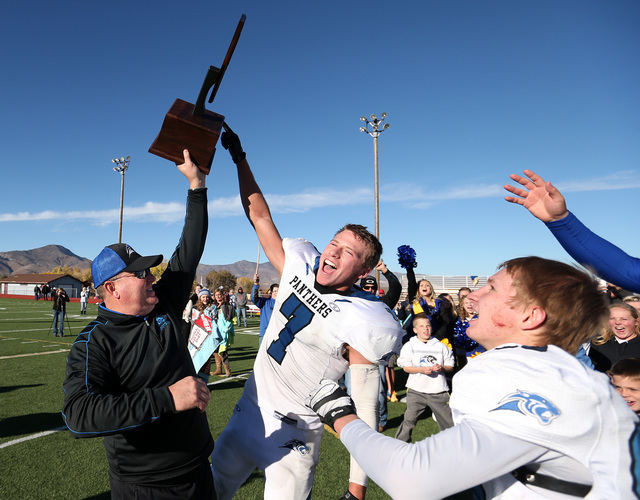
column 39, row 459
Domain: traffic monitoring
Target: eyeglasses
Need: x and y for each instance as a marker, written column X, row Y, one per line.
column 138, row 274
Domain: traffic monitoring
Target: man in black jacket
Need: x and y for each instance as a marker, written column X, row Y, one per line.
column 60, row 299
column 130, row 378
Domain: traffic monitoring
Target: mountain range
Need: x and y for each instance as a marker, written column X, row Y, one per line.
column 44, row 259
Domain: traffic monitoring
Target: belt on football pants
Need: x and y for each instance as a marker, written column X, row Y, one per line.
column 551, row 483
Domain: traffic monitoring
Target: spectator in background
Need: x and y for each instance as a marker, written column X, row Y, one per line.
column 633, row 301
column 241, row 306
column 265, row 304
column 203, row 307
column 448, row 314
column 425, row 301
column 84, row 299
column 224, row 320
column 186, row 314
column 36, row 292
column 426, row 360
column 619, row 341
column 59, row 311
column 462, row 293
column 46, row 289
column 625, row 378
column 464, row 347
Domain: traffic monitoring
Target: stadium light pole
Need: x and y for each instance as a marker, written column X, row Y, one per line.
column 122, row 164
column 374, row 126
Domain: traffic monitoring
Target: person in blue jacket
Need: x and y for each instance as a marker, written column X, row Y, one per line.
column 265, row 304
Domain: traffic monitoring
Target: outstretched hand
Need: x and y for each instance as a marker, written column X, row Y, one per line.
column 541, row 198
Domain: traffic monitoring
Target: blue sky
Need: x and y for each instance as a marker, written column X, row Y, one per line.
column 473, row 90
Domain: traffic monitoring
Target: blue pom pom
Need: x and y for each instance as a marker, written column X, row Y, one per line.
column 406, row 256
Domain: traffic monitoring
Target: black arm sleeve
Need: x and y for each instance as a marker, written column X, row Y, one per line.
column 395, row 288
column 176, row 282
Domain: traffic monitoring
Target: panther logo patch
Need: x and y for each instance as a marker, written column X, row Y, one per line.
column 296, row 445
column 531, row 405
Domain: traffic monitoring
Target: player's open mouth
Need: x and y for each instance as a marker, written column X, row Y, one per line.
column 328, row 266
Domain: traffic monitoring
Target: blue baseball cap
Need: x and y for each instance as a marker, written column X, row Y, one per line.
column 118, row 258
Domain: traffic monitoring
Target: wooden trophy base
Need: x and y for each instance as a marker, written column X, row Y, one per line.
column 182, row 130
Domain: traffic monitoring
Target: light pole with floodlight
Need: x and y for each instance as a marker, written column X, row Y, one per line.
column 122, row 164
column 377, row 127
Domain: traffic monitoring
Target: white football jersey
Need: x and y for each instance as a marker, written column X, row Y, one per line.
column 306, row 337
column 547, row 397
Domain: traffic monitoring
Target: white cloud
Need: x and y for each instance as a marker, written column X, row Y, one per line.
column 403, row 193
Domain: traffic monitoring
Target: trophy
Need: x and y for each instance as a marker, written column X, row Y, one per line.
column 192, row 126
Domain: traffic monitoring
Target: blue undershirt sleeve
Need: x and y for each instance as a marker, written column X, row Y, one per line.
column 597, row 254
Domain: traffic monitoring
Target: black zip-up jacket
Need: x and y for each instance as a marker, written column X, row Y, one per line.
column 120, row 368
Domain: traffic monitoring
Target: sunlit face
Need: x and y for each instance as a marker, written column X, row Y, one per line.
column 629, row 389
column 497, row 321
column 218, row 297
column 135, row 296
column 274, row 292
column 205, row 299
column 622, row 323
column 422, row 329
column 197, row 289
column 468, row 306
column 425, row 288
column 342, row 262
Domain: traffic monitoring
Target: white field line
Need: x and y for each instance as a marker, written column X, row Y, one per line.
column 30, row 330
column 32, row 436
column 240, row 376
column 34, row 354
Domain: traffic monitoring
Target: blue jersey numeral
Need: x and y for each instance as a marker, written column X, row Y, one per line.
column 298, row 316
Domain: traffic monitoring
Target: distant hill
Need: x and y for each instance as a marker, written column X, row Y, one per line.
column 243, row 269
column 44, row 259
column 40, row 260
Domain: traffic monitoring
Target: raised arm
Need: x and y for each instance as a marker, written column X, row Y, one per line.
column 395, row 288
column 541, row 198
column 605, row 259
column 254, row 204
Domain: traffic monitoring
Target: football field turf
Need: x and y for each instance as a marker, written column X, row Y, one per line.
column 40, row 459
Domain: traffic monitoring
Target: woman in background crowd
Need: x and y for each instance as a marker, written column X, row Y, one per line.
column 620, row 340
column 224, row 318
column 203, row 306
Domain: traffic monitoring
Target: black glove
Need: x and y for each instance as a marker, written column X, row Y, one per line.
column 348, row 496
column 330, row 402
column 230, row 140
